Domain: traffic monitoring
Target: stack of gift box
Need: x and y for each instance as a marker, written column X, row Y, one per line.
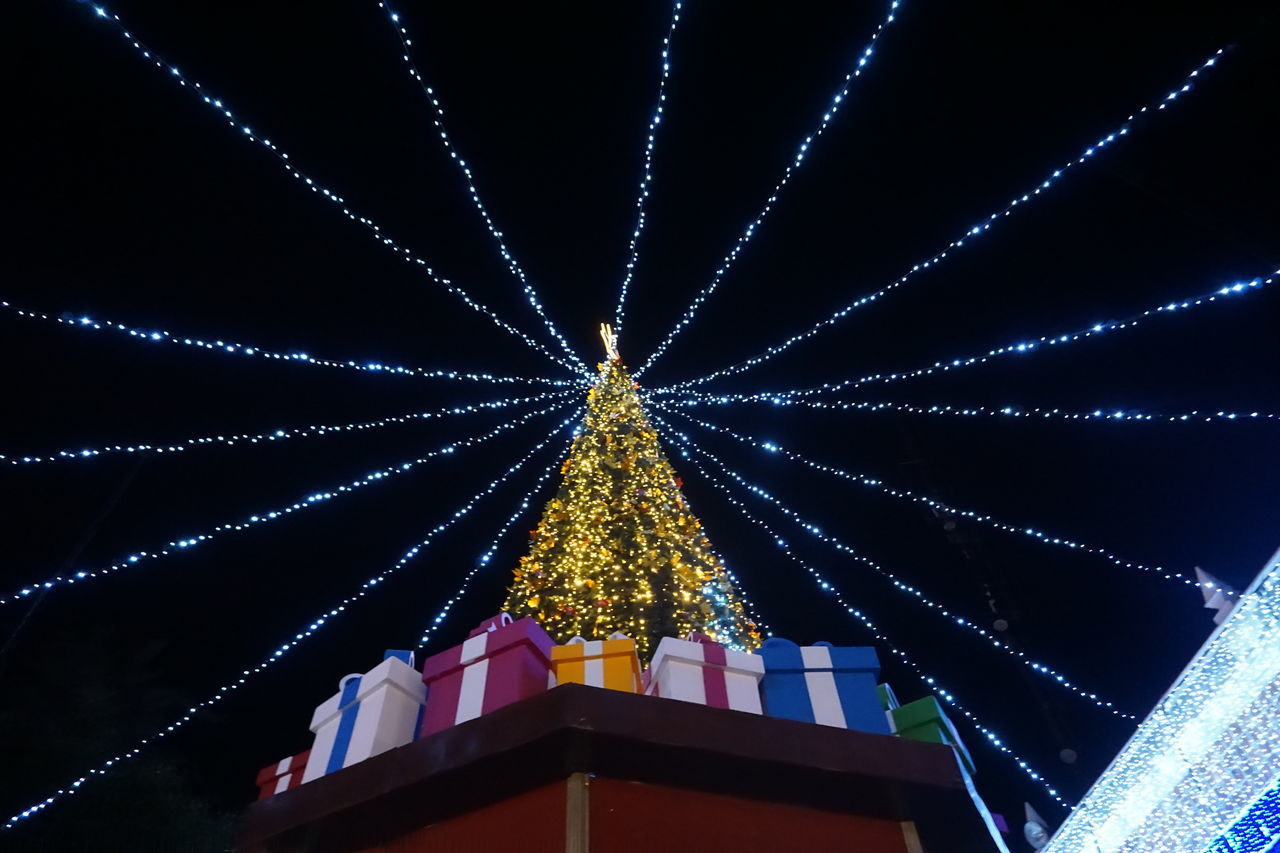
column 505, row 660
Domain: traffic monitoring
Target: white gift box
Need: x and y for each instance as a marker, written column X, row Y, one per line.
column 369, row 714
column 698, row 670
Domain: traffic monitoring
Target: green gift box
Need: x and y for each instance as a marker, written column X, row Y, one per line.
column 924, row 720
column 888, row 700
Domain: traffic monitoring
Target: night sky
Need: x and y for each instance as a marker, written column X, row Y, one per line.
column 129, row 200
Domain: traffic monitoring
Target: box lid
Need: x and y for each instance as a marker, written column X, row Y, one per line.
column 706, row 653
column 782, row 655
column 924, row 712
column 491, row 637
column 578, row 648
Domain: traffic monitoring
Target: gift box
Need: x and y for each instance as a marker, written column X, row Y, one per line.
column 924, row 720
column 698, row 670
column 369, row 714
column 822, row 684
column 888, row 699
column 610, row 663
column 281, row 776
column 503, row 661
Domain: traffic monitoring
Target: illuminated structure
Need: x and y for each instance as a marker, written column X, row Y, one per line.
column 617, row 548
column 1202, row 772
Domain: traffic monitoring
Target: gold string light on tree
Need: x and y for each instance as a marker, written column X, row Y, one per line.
column 617, row 548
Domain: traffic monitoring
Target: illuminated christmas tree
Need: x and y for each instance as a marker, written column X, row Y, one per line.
column 618, row 548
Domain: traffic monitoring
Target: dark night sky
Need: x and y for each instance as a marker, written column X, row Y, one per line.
column 128, row 200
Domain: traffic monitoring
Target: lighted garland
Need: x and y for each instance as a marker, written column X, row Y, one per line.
column 1036, row 413
column 277, row 435
column 229, row 347
column 406, row 45
column 651, row 140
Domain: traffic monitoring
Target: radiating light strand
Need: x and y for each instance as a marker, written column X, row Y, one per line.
column 1024, row 347
column 946, row 509
column 970, row 234
column 483, row 560
column 619, row 315
column 313, row 499
column 276, row 435
column 990, row 736
column 316, row 624
column 801, row 153
column 84, row 321
column 916, row 594
column 338, row 201
column 946, row 410
column 406, row 46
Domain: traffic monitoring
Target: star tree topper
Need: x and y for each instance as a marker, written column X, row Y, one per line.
column 610, row 341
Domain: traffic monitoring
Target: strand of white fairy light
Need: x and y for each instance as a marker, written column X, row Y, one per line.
column 225, row 347
column 826, row 586
column 276, row 435
column 915, row 593
column 1195, row 416
column 972, row 233
column 1024, row 347
column 939, row 506
column 801, row 153
column 487, row 555
column 406, row 45
column 315, row 625
column 311, row 500
column 619, row 315
column 338, row 201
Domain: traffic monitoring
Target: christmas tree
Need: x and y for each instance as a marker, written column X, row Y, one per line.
column 617, row 548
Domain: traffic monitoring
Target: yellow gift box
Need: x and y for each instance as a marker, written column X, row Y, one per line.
column 610, row 663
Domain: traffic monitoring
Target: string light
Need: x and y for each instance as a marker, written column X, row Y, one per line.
column 177, row 546
column 406, row 44
column 801, row 153
column 1036, row 413
column 315, row 625
column 972, row 233
column 1208, row 751
column 619, row 315
column 1021, row 348
column 939, row 506
column 990, row 736
column 275, row 435
column 483, row 560
column 226, row 347
column 814, row 530
column 248, row 134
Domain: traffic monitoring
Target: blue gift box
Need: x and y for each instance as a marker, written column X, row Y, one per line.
column 822, row 683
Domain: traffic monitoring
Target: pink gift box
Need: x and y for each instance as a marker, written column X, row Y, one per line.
column 503, row 661
column 281, row 776
column 698, row 670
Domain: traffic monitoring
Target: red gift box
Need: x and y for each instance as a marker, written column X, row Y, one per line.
column 503, row 661
column 281, row 776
